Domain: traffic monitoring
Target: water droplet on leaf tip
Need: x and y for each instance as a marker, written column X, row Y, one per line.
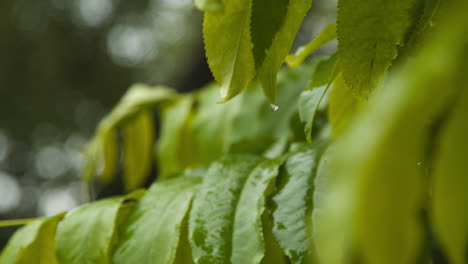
column 274, row 107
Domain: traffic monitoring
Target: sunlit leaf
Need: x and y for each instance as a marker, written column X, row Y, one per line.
column 292, row 204
column 138, row 140
column 368, row 36
column 281, row 44
column 152, row 231
column 229, row 46
column 33, row 243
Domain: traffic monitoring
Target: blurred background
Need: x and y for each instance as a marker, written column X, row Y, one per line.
column 65, row 63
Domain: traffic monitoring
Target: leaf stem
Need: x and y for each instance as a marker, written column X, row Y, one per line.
column 17, row 222
column 327, row 35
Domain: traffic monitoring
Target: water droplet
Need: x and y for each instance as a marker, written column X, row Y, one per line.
column 419, row 163
column 274, row 107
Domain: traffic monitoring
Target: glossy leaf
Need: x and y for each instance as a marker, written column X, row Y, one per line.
column 33, row 243
column 86, row 234
column 152, row 231
column 281, row 44
column 138, row 140
column 313, row 96
column 172, row 142
column 230, row 55
column 248, row 243
column 326, row 35
column 293, row 204
column 343, row 106
column 211, row 223
column 368, row 36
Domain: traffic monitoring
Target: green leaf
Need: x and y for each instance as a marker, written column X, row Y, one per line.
column 86, row 234
column 101, row 153
column 343, row 106
column 326, row 35
column 196, row 130
column 281, row 44
column 213, row 224
column 209, row 129
column 273, row 252
column 151, row 233
column 172, row 142
column 138, row 140
column 137, row 98
column 248, row 244
column 324, row 239
column 313, row 96
column 229, row 46
column 422, row 15
column 266, row 125
column 378, row 190
column 33, row 243
column 208, row 5
column 110, row 154
column 267, row 18
column 292, row 204
column 450, row 180
column 368, row 36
